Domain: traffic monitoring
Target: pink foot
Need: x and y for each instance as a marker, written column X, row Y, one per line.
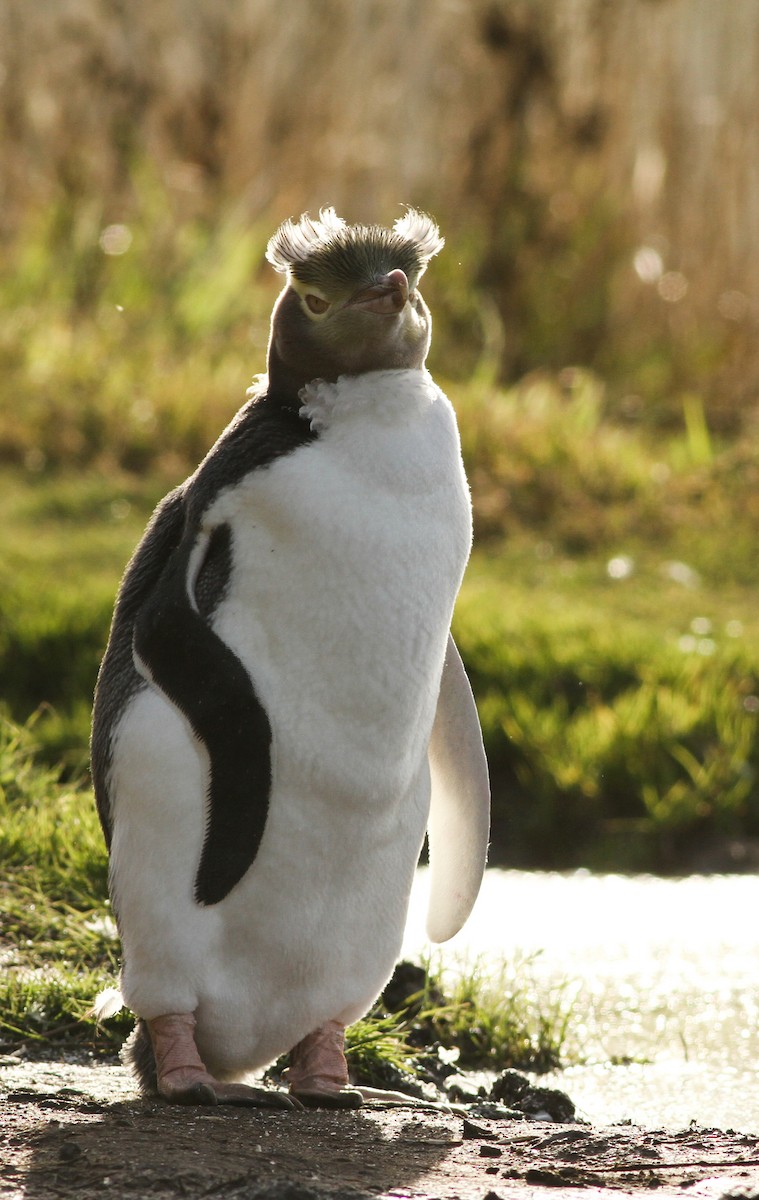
column 183, row 1078
column 318, row 1072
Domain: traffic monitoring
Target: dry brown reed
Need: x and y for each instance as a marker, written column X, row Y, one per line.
column 555, row 139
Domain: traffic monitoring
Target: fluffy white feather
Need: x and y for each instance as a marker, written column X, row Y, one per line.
column 295, row 241
column 420, row 228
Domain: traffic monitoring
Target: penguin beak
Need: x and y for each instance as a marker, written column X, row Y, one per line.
column 387, row 295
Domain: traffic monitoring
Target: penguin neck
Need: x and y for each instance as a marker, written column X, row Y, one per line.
column 286, row 381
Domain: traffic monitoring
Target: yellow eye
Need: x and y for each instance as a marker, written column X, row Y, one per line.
column 316, row 304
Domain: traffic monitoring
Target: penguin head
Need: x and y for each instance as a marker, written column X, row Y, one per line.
column 351, row 303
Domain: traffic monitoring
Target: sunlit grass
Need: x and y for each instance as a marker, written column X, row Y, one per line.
column 494, row 1015
column 57, row 938
column 620, row 716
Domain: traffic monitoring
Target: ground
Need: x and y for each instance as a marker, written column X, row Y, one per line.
column 72, row 1130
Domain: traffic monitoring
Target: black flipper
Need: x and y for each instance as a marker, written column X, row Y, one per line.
column 212, row 579
column 206, row 681
column 117, row 678
column 183, row 656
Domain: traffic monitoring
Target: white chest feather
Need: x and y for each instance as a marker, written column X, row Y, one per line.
column 348, row 555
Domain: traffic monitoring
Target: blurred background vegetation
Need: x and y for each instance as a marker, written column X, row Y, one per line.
column 595, row 169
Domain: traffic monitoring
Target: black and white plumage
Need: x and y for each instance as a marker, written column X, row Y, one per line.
column 280, row 688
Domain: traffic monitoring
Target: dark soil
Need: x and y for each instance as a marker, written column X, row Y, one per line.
column 73, row 1130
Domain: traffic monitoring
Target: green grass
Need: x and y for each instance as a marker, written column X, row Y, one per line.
column 494, row 1016
column 620, row 716
column 57, row 938
column 488, row 1018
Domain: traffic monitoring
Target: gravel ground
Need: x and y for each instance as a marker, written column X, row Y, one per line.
column 68, row 1129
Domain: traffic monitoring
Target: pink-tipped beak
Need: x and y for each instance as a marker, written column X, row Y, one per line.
column 388, row 295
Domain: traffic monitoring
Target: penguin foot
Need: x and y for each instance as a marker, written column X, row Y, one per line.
column 204, row 1089
column 183, row 1078
column 318, row 1072
column 319, row 1097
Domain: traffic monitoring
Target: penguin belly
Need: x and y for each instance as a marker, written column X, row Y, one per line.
column 347, row 556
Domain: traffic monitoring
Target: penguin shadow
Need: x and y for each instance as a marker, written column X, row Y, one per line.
column 131, row 1148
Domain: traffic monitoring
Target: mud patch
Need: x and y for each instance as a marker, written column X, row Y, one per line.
column 68, row 1129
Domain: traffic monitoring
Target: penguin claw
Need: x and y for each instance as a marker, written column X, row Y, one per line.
column 197, row 1093
column 212, row 1092
column 327, row 1098
column 252, row 1097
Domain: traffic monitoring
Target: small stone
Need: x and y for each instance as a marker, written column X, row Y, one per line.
column 490, row 1151
column 495, row 1112
column 555, row 1104
column 538, row 1103
column 461, row 1090
column 509, row 1087
column 70, row 1151
column 470, row 1130
column 544, row 1178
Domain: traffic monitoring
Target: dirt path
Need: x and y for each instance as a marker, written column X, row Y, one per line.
column 69, row 1130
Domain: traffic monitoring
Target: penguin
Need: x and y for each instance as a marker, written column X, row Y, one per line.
column 281, row 711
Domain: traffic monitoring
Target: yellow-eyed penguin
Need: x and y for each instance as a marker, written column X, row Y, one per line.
column 281, row 710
